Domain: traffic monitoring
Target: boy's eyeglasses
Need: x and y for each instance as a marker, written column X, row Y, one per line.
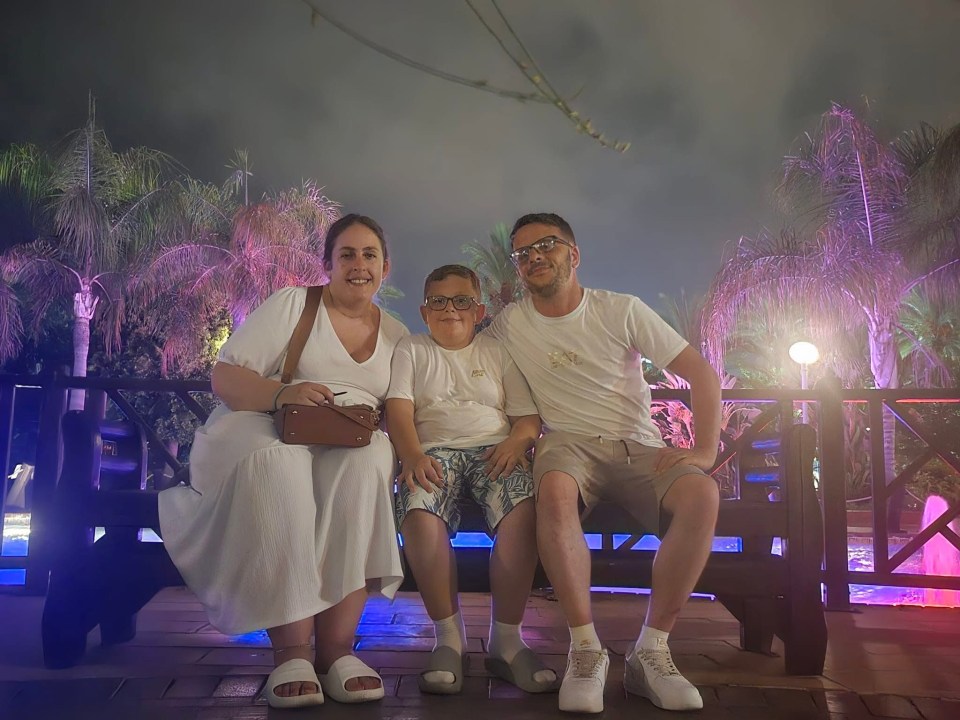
column 543, row 246
column 439, row 302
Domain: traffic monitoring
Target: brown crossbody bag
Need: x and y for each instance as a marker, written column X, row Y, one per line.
column 343, row 425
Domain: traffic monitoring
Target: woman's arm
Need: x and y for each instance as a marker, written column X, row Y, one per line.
column 244, row 389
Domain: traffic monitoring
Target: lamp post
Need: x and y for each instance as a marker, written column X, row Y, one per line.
column 804, row 354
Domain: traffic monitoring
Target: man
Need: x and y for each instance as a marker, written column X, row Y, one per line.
column 580, row 350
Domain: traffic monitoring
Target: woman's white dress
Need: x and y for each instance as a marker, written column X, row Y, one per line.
column 271, row 533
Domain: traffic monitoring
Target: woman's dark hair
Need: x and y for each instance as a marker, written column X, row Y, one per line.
column 551, row 219
column 342, row 224
column 445, row 271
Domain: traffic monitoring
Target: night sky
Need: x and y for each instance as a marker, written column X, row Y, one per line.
column 711, row 95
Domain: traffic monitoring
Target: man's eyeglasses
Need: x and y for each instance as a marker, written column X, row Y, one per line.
column 542, row 246
column 439, row 302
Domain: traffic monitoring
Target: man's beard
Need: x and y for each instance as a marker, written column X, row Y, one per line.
column 562, row 274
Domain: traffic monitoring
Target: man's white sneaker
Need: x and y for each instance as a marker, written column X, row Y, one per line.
column 582, row 687
column 652, row 674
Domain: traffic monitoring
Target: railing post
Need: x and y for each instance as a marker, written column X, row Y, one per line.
column 8, row 393
column 878, row 472
column 95, row 404
column 46, row 475
column 833, row 487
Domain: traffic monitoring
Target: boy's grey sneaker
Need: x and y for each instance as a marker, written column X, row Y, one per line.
column 652, row 674
column 583, row 681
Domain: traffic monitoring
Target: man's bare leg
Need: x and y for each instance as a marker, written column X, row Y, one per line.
column 692, row 502
column 566, row 558
column 563, row 548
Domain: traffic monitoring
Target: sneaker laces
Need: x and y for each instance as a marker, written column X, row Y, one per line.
column 661, row 661
column 585, row 663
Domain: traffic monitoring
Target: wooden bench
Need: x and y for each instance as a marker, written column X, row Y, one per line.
column 107, row 582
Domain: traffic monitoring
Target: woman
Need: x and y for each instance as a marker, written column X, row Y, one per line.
column 291, row 537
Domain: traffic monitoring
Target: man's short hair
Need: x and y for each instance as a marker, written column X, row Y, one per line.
column 551, row 219
column 444, row 271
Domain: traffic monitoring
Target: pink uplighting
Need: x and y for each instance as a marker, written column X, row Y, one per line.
column 940, row 556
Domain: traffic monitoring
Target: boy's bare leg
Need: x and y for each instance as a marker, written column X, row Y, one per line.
column 512, row 566
column 513, row 563
column 426, row 546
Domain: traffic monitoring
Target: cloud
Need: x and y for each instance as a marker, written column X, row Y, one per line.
column 710, row 94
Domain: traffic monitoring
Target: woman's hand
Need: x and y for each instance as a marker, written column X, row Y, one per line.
column 503, row 457
column 425, row 471
column 305, row 393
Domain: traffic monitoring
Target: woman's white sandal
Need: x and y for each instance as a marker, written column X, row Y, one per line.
column 347, row 668
column 297, row 670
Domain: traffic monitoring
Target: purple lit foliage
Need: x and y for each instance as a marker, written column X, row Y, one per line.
column 868, row 223
column 220, row 252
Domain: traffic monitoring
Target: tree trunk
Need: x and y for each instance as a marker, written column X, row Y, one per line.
column 84, row 306
column 883, row 364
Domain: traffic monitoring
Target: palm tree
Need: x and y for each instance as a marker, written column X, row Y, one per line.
column 499, row 282
column 221, row 252
column 96, row 210
column 929, row 337
column 869, row 222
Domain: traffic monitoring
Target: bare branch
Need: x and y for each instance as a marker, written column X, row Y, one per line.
column 316, row 12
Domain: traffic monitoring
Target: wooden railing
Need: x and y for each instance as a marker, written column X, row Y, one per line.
column 770, row 408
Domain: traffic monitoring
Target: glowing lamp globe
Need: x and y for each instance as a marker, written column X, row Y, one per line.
column 804, row 353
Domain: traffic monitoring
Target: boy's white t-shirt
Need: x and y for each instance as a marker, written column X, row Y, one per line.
column 461, row 398
column 584, row 369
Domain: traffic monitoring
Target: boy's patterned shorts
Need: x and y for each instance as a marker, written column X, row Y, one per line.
column 464, row 472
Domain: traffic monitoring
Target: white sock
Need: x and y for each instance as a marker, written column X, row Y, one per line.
column 449, row 632
column 651, row 639
column 584, row 637
column 506, row 641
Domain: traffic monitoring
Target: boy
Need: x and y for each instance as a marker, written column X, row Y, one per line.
column 462, row 420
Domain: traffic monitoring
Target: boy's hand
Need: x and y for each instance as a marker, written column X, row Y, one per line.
column 425, row 471
column 504, row 457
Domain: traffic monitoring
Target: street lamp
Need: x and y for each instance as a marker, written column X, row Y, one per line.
column 804, row 354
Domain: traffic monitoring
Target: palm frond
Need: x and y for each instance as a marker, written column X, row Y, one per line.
column 499, row 282
column 27, row 169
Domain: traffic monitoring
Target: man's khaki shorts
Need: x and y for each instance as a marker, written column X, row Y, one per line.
column 618, row 471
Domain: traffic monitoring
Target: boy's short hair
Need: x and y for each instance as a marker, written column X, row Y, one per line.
column 444, row 271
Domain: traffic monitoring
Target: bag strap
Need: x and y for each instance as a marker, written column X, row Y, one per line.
column 301, row 332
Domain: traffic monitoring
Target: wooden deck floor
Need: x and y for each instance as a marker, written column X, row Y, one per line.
column 882, row 662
